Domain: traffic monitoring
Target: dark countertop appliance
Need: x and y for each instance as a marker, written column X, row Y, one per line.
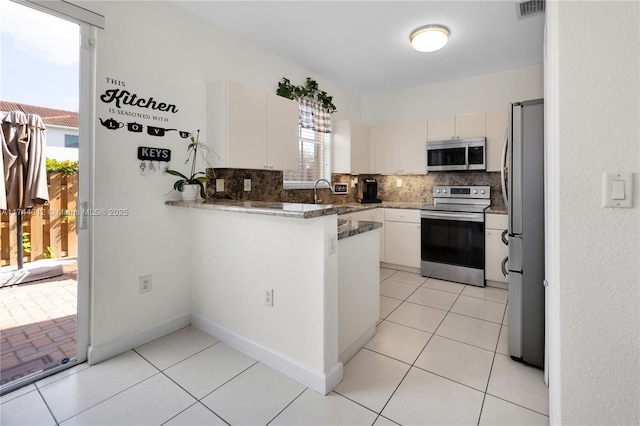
column 369, row 191
column 452, row 234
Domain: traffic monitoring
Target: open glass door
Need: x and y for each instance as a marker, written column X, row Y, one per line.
column 44, row 321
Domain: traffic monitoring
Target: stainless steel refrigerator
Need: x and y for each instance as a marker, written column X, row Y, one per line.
column 523, row 188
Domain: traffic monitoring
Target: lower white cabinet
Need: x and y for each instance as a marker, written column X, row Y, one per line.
column 371, row 215
column 495, row 249
column 402, row 237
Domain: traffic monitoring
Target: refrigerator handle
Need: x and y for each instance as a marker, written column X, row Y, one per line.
column 503, row 266
column 503, row 168
column 504, row 237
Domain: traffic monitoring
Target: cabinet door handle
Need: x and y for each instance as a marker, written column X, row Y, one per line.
column 503, row 266
column 504, row 237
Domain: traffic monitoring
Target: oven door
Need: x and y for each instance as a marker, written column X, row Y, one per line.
column 453, row 238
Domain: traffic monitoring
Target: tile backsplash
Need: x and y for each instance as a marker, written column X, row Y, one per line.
column 266, row 185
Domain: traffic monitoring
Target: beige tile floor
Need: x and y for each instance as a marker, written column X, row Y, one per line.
column 439, row 357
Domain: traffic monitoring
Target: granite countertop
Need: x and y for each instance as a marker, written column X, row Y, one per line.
column 493, row 210
column 356, row 207
column 295, row 210
column 349, row 228
column 300, row 210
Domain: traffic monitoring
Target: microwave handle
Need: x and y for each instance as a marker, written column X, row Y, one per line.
column 466, row 155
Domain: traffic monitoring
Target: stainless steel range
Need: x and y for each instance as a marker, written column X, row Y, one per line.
column 452, row 234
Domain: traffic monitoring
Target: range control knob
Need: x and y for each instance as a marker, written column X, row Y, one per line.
column 475, row 191
column 482, row 191
column 444, row 190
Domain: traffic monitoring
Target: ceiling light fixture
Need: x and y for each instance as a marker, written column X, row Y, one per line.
column 429, row 38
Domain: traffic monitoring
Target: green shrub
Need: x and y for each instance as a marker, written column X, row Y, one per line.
column 66, row 167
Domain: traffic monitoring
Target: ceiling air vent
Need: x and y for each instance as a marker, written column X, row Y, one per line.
column 529, row 8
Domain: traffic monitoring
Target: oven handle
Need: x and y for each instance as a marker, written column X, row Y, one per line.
column 503, row 266
column 457, row 216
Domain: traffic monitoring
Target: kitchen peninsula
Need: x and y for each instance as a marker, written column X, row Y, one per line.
column 276, row 281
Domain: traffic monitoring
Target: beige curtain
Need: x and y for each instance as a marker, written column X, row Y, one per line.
column 23, row 161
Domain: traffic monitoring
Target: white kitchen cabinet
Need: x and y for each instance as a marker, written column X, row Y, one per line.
column 471, row 125
column 282, row 140
column 251, row 129
column 495, row 249
column 402, row 237
column 457, row 126
column 371, row 215
column 400, row 147
column 496, row 130
column 358, row 292
column 351, row 149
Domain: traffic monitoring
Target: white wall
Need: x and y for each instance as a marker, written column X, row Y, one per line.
column 238, row 257
column 157, row 49
column 55, row 135
column 481, row 93
column 593, row 126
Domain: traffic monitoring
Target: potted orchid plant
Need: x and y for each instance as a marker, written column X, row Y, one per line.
column 193, row 185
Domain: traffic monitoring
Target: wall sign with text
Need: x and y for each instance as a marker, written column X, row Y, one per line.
column 120, row 100
column 153, row 154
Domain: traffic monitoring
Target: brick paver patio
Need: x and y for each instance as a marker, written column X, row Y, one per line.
column 38, row 324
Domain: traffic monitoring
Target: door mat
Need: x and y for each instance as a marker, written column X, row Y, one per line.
column 39, row 270
column 25, row 369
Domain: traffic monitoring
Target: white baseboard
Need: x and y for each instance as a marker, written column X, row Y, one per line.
column 400, row 267
column 96, row 354
column 348, row 353
column 320, row 382
column 497, row 284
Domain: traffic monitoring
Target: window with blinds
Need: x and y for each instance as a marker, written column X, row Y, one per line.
column 314, row 149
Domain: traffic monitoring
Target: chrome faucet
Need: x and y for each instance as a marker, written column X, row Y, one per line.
column 315, row 190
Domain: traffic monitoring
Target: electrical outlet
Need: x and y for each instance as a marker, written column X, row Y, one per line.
column 219, row 185
column 145, row 283
column 247, row 185
column 333, row 244
column 399, row 183
column 268, row 297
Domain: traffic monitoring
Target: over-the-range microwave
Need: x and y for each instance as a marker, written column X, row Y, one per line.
column 457, row 155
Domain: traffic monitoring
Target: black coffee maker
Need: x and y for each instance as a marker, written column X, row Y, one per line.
column 369, row 191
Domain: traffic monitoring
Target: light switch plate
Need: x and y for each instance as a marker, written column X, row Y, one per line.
column 219, row 185
column 617, row 190
column 247, row 185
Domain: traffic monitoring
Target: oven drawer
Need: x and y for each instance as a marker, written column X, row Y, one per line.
column 402, row 215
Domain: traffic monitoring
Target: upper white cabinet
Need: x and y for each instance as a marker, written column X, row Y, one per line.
column 351, row 149
column 496, row 131
column 399, row 148
column 457, row 126
column 282, row 140
column 251, row 129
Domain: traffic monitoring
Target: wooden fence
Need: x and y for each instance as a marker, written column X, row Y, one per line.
column 49, row 230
